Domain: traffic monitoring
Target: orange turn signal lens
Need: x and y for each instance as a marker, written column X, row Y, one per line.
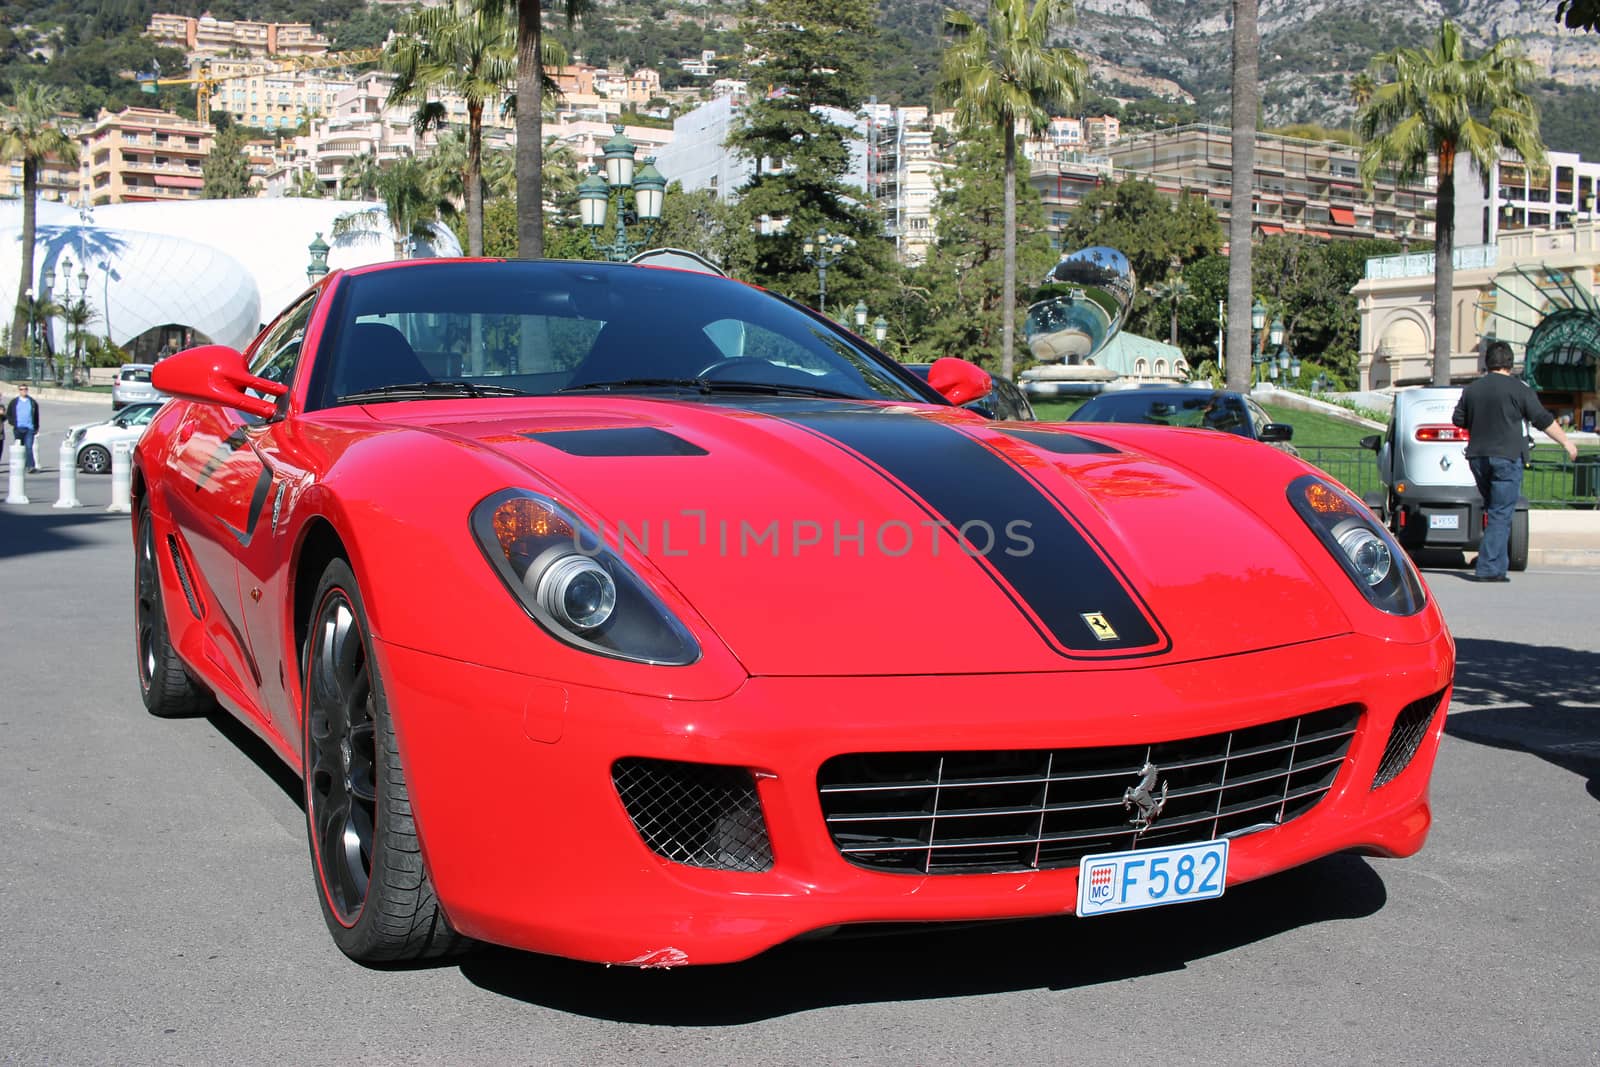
column 522, row 517
column 1325, row 501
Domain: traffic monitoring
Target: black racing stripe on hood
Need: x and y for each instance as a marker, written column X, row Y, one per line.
column 1067, row 444
column 618, row 441
column 1063, row 580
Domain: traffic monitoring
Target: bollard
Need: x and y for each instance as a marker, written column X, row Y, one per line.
column 121, row 478
column 67, row 461
column 16, row 493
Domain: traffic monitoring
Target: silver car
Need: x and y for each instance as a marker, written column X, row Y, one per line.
column 133, row 386
column 92, row 442
column 1429, row 498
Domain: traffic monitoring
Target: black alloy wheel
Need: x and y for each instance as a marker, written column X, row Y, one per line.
column 375, row 892
column 164, row 683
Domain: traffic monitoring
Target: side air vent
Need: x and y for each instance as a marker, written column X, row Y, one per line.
column 699, row 814
column 183, row 575
column 1410, row 727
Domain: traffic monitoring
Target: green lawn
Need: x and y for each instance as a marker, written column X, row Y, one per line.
column 1310, row 429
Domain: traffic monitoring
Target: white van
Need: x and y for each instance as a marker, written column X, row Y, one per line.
column 1429, row 498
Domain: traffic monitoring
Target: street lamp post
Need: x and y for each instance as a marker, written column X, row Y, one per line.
column 880, row 330
column 317, row 268
column 861, row 316
column 596, row 192
column 47, row 284
column 1263, row 363
column 822, row 253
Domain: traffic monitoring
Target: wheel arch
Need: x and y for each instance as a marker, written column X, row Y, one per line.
column 320, row 544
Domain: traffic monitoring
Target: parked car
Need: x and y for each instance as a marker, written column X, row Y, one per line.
column 1003, row 401
column 1212, row 409
column 1429, row 498
column 93, row 441
column 133, row 386
column 627, row 641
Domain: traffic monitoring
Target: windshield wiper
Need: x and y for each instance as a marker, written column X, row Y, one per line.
column 774, row 389
column 431, row 390
column 698, row 384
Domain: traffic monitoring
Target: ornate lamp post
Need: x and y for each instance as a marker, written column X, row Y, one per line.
column 822, row 253
column 47, row 284
column 596, row 192
column 861, row 316
column 880, row 330
column 317, row 269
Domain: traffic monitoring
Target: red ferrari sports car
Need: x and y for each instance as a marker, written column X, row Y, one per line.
column 640, row 616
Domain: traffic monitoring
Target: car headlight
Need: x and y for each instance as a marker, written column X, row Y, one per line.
column 1366, row 551
column 575, row 587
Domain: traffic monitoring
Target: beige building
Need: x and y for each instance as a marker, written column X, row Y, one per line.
column 258, row 95
column 1301, row 187
column 220, row 37
column 58, row 180
column 141, row 153
column 1504, row 290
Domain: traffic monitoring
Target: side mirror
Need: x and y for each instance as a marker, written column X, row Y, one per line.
column 1371, row 442
column 1277, row 431
column 216, row 374
column 959, row 381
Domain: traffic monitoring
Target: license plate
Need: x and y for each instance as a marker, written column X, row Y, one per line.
column 1444, row 522
column 1149, row 877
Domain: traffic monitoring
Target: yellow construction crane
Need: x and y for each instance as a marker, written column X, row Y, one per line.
column 205, row 83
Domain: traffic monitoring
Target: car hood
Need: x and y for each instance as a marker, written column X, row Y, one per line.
column 846, row 538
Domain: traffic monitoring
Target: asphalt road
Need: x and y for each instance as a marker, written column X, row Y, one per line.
column 156, row 903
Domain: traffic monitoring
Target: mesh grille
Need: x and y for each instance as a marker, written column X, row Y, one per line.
column 1410, row 727
column 695, row 813
column 970, row 812
column 183, row 576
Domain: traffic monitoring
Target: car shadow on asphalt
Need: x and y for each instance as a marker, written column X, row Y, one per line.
column 937, row 962
column 1519, row 697
column 26, row 533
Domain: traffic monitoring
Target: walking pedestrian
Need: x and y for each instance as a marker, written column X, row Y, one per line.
column 23, row 415
column 1492, row 411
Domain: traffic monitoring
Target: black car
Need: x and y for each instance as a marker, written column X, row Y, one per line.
column 1212, row 409
column 1004, row 400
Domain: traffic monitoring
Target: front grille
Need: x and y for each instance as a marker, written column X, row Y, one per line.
column 973, row 812
column 1410, row 727
column 698, row 814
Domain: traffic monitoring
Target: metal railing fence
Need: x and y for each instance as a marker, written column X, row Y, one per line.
column 1547, row 483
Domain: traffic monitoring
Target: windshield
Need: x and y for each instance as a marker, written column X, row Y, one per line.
column 544, row 328
column 1202, row 408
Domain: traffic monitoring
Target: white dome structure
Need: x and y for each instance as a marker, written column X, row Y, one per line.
column 216, row 269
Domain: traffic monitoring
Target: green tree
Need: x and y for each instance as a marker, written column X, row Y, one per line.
column 306, row 184
column 462, row 49
column 1002, row 75
column 1246, row 104
column 411, row 207
column 30, row 133
column 1133, row 217
column 957, row 301
column 806, row 55
column 1171, row 294
column 1579, row 14
column 1443, row 102
column 361, row 174
column 1361, row 89
column 226, row 171
column 531, row 57
column 700, row 222
column 77, row 316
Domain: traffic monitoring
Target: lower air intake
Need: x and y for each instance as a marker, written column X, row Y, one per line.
column 1410, row 727
column 698, row 814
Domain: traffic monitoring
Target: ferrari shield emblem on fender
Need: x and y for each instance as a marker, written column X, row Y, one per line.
column 1099, row 626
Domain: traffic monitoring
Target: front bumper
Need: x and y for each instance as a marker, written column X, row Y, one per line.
column 529, row 845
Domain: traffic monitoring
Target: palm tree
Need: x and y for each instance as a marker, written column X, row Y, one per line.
column 360, row 181
column 30, row 132
column 1246, row 104
column 1361, row 89
column 465, row 50
column 305, row 183
column 1002, row 75
column 1443, row 102
column 411, row 205
column 532, row 54
column 1173, row 291
column 77, row 315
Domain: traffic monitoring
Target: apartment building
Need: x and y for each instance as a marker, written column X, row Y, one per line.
column 142, row 153
column 903, row 176
column 57, row 180
column 1515, row 196
column 258, row 95
column 1301, row 186
column 220, row 37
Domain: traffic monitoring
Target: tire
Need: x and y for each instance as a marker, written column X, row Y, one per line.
column 372, row 883
column 94, row 459
column 1517, row 548
column 164, row 683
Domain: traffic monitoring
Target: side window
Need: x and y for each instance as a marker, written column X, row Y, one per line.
column 278, row 352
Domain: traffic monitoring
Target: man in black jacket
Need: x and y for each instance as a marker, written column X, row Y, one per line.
column 1492, row 410
column 23, row 415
